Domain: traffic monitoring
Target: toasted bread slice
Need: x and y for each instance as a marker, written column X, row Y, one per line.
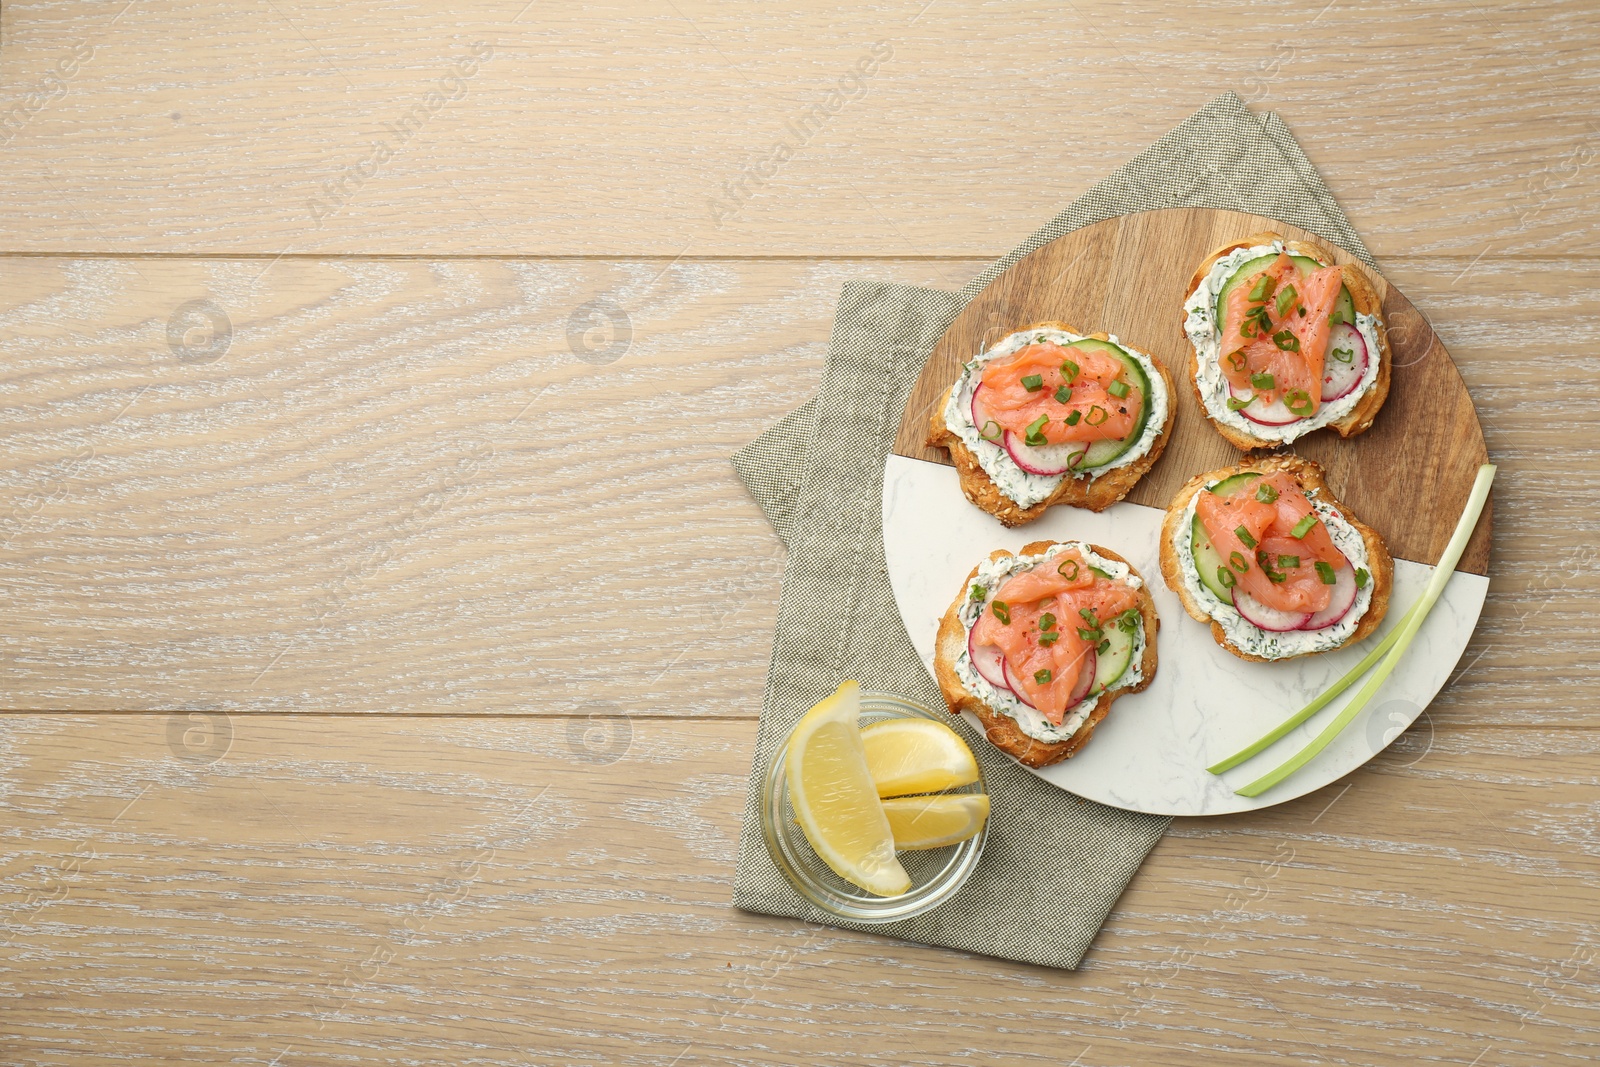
column 1095, row 493
column 1003, row 731
column 1362, row 295
column 1309, row 474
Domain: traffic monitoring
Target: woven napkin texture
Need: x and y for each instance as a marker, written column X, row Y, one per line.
column 1054, row 864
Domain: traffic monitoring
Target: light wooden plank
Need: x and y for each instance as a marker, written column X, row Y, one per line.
column 401, row 487
column 625, row 129
column 395, row 889
column 383, row 488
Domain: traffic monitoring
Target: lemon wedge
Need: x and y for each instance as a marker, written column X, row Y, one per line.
column 834, row 799
column 933, row 822
column 916, row 756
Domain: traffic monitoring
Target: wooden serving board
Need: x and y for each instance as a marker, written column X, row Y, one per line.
column 1408, row 476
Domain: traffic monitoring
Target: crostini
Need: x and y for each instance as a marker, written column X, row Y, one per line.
column 1039, row 645
column 1264, row 553
column 1285, row 341
column 1052, row 416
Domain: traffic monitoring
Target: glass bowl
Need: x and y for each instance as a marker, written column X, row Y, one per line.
column 936, row 873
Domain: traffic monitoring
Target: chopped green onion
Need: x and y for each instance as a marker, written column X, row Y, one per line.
column 1072, row 418
column 1266, row 494
column 1063, row 394
column 1325, row 572
column 1089, row 616
column 1244, row 535
column 1237, row 561
column 1390, row 649
column 1118, row 388
column 1263, row 381
column 1286, row 297
column 1047, row 621
column 1033, row 433
column 1236, row 360
column 996, row 435
column 1002, row 611
column 1033, row 382
column 1225, row 578
column 1256, row 321
column 1298, row 401
column 1303, row 527
column 979, row 592
column 1128, row 621
column 1362, row 577
column 1266, row 567
column 1104, row 644
column 1042, row 676
column 1288, row 562
column 1087, row 634
column 1104, row 415
column 1286, row 340
column 1069, row 370
column 1235, row 404
column 1344, row 355
column 1263, row 287
column 1049, row 637
column 1061, row 569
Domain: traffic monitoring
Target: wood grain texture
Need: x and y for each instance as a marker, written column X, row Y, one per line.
column 625, row 129
column 396, row 890
column 1408, row 476
column 371, row 498
column 401, row 486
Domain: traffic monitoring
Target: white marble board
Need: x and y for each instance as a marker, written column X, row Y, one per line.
column 1151, row 752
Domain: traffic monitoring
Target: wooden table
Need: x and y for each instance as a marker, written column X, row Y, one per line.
column 384, row 628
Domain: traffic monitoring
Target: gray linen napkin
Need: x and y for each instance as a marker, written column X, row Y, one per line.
column 1054, row 864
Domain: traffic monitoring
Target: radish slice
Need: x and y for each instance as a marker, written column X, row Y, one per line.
column 1344, row 597
column 988, row 661
column 1079, row 691
column 1014, row 684
column 980, row 414
column 1270, row 619
column 1339, row 378
column 1091, row 667
column 1044, row 459
column 1276, row 413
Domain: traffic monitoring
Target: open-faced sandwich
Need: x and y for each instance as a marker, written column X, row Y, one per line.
column 1052, row 416
column 1285, row 342
column 1276, row 565
column 1039, row 645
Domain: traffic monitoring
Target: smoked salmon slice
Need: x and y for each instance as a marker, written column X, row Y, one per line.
column 1275, row 546
column 1275, row 333
column 1074, row 390
column 1040, row 619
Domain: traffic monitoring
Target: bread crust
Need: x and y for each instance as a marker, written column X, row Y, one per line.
column 1362, row 294
column 1095, row 494
column 1003, row 731
column 1309, row 474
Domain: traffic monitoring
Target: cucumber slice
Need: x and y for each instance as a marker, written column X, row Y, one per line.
column 1233, row 483
column 1344, row 309
column 1102, row 452
column 1113, row 663
column 1207, row 561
